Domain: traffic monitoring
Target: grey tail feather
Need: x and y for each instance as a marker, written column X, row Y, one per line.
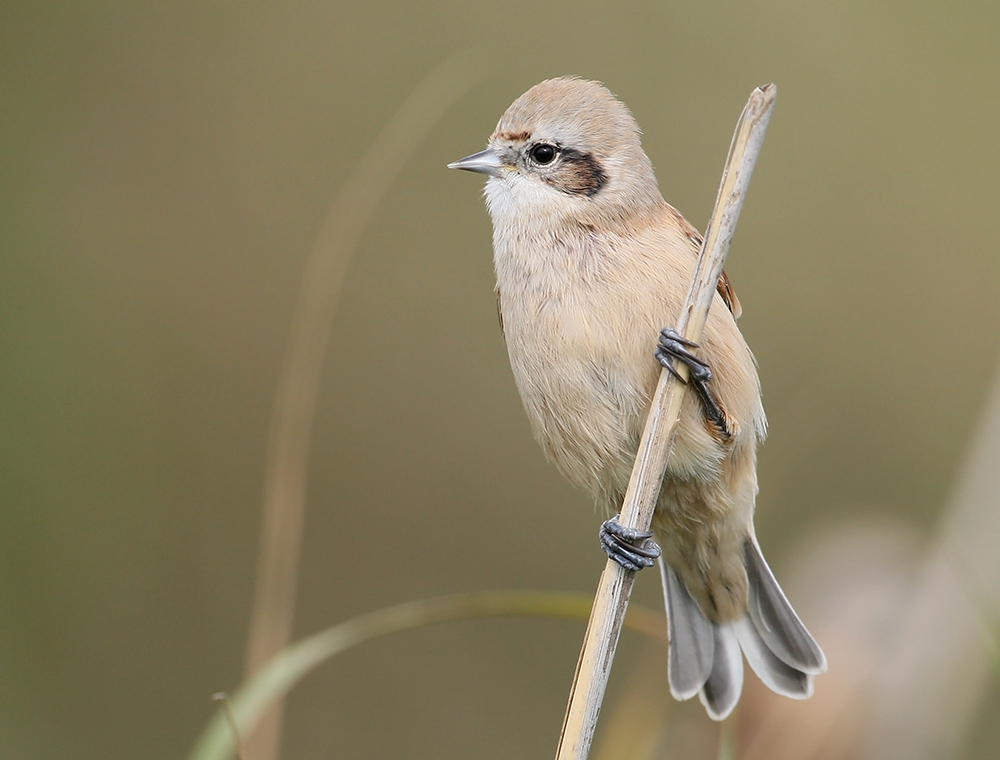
column 705, row 658
column 722, row 690
column 774, row 620
column 692, row 642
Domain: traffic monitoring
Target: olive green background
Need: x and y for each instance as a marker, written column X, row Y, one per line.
column 164, row 169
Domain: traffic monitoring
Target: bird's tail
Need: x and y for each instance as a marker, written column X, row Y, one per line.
column 705, row 658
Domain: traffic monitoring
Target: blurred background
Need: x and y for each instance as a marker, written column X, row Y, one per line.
column 165, row 171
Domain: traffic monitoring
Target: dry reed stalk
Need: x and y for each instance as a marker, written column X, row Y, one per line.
column 615, row 587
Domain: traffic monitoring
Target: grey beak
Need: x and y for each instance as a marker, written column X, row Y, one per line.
column 484, row 162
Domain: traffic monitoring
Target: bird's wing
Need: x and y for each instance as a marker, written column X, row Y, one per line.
column 500, row 313
column 729, row 295
column 725, row 287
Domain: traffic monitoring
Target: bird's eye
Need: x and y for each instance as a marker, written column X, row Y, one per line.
column 543, row 153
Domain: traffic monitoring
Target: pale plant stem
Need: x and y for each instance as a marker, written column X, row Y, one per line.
column 298, row 386
column 615, row 587
column 251, row 701
column 234, row 728
column 728, row 734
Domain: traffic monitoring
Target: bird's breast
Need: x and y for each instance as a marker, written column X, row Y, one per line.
column 582, row 371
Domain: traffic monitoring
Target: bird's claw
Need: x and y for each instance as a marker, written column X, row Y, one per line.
column 672, row 345
column 632, row 549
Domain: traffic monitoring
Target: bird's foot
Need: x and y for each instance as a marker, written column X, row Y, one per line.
column 672, row 345
column 632, row 549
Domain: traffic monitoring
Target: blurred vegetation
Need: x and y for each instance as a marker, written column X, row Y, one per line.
column 164, row 171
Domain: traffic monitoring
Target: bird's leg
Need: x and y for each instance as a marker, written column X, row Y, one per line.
column 632, row 549
column 674, row 346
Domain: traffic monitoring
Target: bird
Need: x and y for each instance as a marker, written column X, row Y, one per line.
column 592, row 268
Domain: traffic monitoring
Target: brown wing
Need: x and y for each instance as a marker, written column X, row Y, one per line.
column 500, row 313
column 729, row 295
column 725, row 287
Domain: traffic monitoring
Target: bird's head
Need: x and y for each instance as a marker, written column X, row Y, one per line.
column 566, row 147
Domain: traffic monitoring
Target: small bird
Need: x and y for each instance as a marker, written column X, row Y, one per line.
column 593, row 267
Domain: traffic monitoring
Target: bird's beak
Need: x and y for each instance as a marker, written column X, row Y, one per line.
column 484, row 162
